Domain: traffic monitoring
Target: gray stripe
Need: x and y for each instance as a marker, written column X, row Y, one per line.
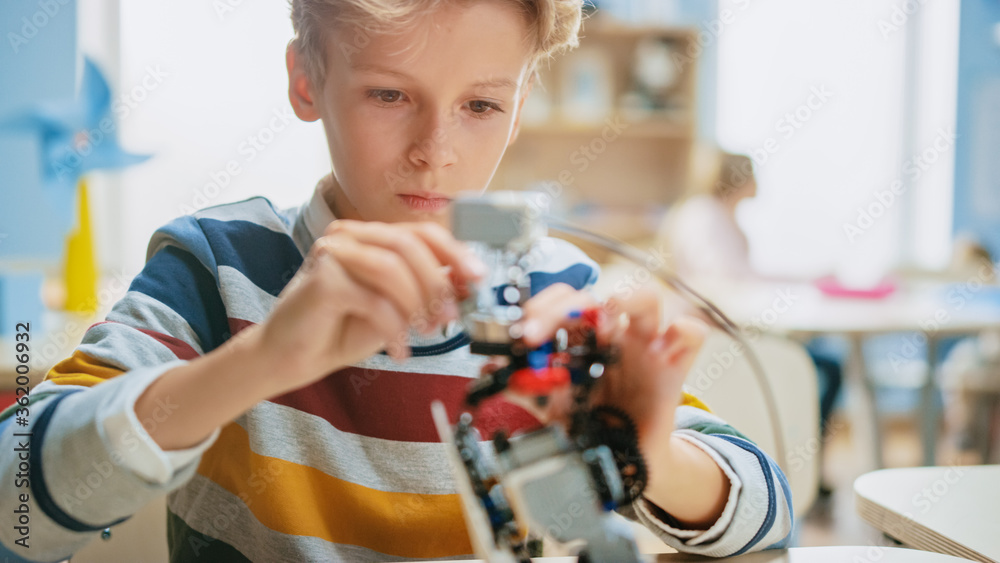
column 208, row 508
column 124, row 347
column 384, row 465
column 80, row 472
column 687, row 416
column 300, row 232
column 255, row 210
column 751, row 507
column 459, row 362
column 243, row 298
column 140, row 310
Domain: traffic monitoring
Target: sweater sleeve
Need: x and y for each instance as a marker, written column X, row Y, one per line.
column 89, row 465
column 758, row 513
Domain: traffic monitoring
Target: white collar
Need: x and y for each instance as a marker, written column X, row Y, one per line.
column 317, row 214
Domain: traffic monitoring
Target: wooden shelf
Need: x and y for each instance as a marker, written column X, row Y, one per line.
column 648, row 162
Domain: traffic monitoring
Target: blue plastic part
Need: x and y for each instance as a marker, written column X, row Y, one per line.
column 538, row 359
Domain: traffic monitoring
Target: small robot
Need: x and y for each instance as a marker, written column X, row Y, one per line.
column 574, row 474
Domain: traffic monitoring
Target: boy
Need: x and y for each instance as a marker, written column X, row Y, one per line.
column 255, row 391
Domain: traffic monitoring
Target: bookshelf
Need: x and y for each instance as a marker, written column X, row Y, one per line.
column 619, row 167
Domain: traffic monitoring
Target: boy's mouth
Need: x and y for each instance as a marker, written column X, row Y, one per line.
column 425, row 202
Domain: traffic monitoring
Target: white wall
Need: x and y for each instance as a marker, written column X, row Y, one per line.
column 198, row 84
column 771, row 57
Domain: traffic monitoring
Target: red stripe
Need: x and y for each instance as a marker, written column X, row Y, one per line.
column 181, row 349
column 397, row 405
column 236, row 325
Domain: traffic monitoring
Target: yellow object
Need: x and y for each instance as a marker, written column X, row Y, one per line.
column 80, row 269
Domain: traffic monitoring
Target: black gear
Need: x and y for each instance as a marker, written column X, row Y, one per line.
column 615, row 429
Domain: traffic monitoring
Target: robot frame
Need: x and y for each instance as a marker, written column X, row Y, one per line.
column 583, row 469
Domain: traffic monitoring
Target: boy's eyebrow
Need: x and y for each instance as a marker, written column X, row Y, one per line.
column 486, row 83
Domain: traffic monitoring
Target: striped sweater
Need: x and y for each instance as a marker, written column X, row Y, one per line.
column 348, row 468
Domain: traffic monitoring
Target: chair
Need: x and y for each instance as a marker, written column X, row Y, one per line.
column 728, row 386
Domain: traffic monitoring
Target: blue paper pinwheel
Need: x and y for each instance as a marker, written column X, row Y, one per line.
column 75, row 136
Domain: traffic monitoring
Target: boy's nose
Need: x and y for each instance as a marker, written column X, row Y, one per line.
column 433, row 146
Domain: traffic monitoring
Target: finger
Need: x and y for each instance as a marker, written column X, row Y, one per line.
column 548, row 310
column 379, row 269
column 683, row 340
column 383, row 317
column 644, row 313
column 465, row 265
column 437, row 293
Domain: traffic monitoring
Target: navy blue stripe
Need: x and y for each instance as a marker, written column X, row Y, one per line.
column 174, row 277
column 453, row 343
column 765, row 466
column 787, row 491
column 577, row 275
column 38, row 486
column 267, row 258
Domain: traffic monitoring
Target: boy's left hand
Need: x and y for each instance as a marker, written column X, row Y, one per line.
column 646, row 383
column 654, row 360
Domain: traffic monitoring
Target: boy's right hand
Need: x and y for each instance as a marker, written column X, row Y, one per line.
column 360, row 289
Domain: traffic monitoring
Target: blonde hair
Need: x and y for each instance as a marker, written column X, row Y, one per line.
column 553, row 25
column 718, row 173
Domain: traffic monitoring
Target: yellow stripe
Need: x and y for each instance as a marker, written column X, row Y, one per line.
column 80, row 369
column 692, row 401
column 300, row 500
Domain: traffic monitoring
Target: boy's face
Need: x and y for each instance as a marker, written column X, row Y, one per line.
column 415, row 116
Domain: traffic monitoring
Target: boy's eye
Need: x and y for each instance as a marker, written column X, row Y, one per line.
column 386, row 96
column 483, row 107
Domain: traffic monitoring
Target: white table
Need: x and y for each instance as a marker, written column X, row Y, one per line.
column 954, row 510
column 915, row 307
column 859, row 554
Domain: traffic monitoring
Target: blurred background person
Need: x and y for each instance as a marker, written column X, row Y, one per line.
column 706, row 241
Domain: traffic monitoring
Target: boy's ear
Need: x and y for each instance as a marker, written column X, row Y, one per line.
column 520, row 106
column 300, row 87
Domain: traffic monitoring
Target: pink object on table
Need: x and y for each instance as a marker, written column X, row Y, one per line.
column 830, row 286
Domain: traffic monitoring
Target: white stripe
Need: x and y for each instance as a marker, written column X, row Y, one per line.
column 124, row 347
column 136, row 309
column 255, row 210
column 460, row 362
column 384, row 465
